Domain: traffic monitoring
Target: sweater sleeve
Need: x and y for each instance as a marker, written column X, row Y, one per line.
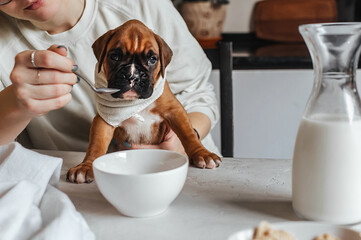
column 189, row 70
column 2, row 87
column 2, row 84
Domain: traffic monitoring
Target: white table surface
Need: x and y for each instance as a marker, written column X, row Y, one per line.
column 212, row 205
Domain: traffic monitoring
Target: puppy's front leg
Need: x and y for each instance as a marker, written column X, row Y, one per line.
column 177, row 118
column 101, row 134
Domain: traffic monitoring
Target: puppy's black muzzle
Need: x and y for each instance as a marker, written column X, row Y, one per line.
column 130, row 77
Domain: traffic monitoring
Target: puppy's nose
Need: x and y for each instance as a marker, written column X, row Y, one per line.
column 134, row 76
column 131, row 73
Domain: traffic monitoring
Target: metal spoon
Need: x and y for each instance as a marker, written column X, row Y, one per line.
column 98, row 90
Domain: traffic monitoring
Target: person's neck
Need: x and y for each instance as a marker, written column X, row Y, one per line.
column 65, row 19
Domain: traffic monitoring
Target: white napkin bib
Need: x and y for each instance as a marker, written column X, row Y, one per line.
column 115, row 110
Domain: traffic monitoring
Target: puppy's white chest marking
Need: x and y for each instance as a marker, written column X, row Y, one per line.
column 140, row 126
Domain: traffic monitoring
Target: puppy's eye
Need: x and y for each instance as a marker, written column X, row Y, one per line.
column 115, row 56
column 152, row 60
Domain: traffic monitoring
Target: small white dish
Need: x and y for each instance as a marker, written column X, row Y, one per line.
column 304, row 231
column 141, row 183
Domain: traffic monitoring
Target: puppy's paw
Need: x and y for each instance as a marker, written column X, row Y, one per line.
column 205, row 159
column 83, row 173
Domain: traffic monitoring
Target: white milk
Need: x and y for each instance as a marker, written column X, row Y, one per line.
column 326, row 177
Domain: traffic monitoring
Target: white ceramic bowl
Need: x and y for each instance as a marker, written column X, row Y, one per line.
column 141, row 183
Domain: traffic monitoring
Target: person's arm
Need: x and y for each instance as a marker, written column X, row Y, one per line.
column 33, row 94
column 201, row 123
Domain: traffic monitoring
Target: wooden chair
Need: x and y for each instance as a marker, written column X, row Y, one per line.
column 221, row 59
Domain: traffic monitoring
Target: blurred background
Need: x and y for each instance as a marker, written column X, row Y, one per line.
column 272, row 74
column 239, row 14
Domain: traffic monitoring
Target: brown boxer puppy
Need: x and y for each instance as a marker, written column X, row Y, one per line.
column 133, row 58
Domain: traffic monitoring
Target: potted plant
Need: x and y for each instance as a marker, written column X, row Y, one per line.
column 204, row 18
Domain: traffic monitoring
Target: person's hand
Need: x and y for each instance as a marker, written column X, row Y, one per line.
column 171, row 142
column 47, row 87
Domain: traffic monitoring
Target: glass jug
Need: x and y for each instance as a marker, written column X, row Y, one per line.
column 326, row 170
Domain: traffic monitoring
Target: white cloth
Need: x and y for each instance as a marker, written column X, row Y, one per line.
column 115, row 110
column 30, row 206
column 68, row 128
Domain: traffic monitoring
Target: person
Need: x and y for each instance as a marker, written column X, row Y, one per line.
column 41, row 94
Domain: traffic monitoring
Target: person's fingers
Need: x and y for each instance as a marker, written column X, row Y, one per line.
column 41, row 107
column 42, row 76
column 169, row 135
column 45, row 59
column 59, row 49
column 47, row 91
column 55, row 77
column 170, row 142
column 170, row 145
column 128, row 146
column 143, row 146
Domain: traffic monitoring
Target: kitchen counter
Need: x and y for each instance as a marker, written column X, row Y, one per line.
column 250, row 52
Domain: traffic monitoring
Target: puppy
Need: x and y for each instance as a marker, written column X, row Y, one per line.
column 133, row 59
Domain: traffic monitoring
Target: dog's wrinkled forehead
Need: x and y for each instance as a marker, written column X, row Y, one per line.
column 134, row 40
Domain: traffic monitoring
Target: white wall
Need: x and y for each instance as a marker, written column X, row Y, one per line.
column 268, row 106
column 239, row 16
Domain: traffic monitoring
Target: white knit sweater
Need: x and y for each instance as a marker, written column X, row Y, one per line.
column 68, row 128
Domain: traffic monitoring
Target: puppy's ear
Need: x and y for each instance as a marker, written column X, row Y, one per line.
column 100, row 47
column 165, row 53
